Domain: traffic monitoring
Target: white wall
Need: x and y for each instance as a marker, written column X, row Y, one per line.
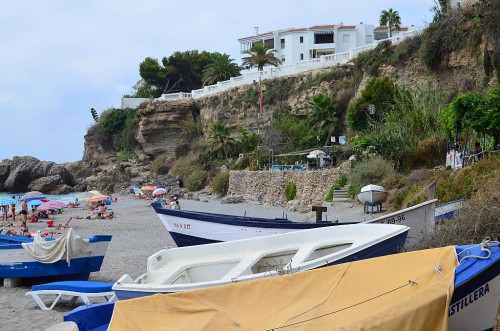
column 132, row 102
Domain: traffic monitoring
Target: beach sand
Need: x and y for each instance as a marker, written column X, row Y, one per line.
column 137, row 233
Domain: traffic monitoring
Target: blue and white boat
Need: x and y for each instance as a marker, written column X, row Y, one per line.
column 473, row 304
column 69, row 257
column 203, row 266
column 189, row 228
column 445, row 211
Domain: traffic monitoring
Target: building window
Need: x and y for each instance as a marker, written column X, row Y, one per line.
column 283, row 43
column 283, row 59
column 269, row 43
column 301, row 56
column 369, row 38
column 301, row 39
column 323, row 38
column 346, row 38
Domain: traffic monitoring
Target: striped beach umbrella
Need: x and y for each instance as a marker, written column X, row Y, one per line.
column 52, row 205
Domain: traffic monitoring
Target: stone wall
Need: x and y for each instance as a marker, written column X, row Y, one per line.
column 268, row 187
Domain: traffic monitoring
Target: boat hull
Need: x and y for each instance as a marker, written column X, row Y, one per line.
column 446, row 211
column 373, row 197
column 189, row 228
column 391, row 243
column 15, row 262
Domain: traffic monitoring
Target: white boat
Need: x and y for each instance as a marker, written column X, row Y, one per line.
column 195, row 267
column 189, row 228
column 420, row 219
column 384, row 300
column 372, row 194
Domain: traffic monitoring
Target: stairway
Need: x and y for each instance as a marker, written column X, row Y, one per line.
column 340, row 195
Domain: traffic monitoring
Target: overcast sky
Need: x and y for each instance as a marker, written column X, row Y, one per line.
column 60, row 58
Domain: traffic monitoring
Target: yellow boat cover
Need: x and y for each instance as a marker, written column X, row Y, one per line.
column 408, row 291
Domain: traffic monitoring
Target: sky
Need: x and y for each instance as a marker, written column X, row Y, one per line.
column 59, row 59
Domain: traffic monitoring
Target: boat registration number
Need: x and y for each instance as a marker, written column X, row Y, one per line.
column 396, row 219
column 182, row 226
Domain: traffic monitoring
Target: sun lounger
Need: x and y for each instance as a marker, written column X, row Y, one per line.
column 76, row 289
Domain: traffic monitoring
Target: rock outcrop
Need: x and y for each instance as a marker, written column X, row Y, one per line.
column 25, row 172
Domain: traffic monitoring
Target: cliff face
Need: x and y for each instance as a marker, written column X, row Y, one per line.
column 160, row 130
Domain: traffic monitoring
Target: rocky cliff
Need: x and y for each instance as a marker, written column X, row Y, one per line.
column 160, row 131
column 26, row 173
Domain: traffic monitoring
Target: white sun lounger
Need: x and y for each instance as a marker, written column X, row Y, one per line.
column 76, row 289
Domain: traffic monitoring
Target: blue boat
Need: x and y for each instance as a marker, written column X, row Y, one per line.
column 473, row 305
column 16, row 261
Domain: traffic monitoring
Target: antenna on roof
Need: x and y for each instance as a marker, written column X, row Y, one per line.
column 256, row 29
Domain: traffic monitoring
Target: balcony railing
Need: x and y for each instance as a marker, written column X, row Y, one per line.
column 251, row 76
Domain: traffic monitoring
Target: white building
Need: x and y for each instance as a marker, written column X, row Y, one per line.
column 294, row 45
column 382, row 32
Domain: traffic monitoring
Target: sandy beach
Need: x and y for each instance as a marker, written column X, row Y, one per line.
column 137, row 233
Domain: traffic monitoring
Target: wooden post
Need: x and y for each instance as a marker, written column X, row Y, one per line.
column 319, row 211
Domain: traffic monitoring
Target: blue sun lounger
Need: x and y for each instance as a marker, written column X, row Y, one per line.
column 76, row 289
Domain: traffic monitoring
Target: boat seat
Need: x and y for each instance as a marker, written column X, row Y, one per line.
column 76, row 289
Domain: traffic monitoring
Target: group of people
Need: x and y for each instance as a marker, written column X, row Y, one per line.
column 23, row 213
column 100, row 211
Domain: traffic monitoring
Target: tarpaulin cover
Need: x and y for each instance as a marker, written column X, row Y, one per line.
column 407, row 291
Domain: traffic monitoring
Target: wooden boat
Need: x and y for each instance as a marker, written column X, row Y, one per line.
column 373, row 195
column 189, row 228
column 472, row 306
column 188, row 268
column 446, row 211
column 85, row 256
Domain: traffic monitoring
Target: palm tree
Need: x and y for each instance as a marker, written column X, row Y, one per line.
column 323, row 114
column 391, row 19
column 220, row 138
column 260, row 55
column 221, row 68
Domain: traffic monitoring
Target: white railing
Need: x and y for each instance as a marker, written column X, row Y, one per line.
column 251, row 76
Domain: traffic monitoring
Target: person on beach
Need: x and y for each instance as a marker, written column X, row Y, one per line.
column 13, row 208
column 101, row 210
column 22, row 232
column 24, row 210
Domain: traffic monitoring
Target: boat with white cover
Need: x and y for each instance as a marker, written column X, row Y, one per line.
column 373, row 194
column 69, row 257
column 195, row 267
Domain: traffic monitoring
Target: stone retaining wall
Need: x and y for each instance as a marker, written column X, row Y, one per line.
column 268, row 187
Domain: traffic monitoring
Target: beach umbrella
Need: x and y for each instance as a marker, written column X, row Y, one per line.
column 37, row 197
column 95, row 192
column 34, row 203
column 33, row 194
column 159, row 191
column 52, row 205
column 148, row 188
column 97, row 198
column 5, row 201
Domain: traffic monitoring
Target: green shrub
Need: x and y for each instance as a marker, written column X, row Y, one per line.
column 113, row 120
column 220, row 183
column 371, row 171
column 407, row 49
column 185, row 165
column 195, row 180
column 125, row 155
column 290, row 191
column 352, row 192
column 159, row 165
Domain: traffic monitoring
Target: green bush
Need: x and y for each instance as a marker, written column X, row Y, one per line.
column 290, row 191
column 195, row 180
column 220, row 183
column 125, row 155
column 159, row 165
column 378, row 92
column 185, row 165
column 352, row 192
column 371, row 171
column 113, row 120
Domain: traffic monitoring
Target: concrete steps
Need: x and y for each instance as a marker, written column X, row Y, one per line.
column 340, row 195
